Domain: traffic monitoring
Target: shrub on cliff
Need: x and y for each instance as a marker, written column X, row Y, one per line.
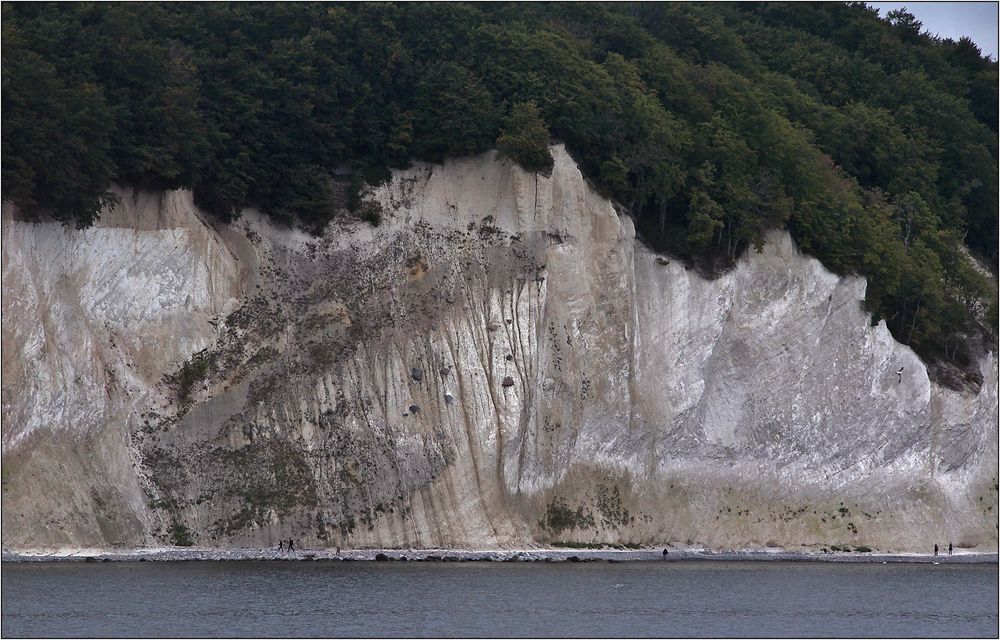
column 180, row 535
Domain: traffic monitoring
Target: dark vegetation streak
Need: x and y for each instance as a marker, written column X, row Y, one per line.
column 875, row 144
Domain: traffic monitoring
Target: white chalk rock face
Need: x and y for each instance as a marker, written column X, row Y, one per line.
column 91, row 321
column 500, row 363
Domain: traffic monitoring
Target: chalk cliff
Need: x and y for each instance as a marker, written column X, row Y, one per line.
column 499, row 364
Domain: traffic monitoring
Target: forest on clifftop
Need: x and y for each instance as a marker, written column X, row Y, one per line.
column 872, row 142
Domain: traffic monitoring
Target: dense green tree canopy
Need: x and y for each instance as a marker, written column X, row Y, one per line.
column 524, row 138
column 874, row 143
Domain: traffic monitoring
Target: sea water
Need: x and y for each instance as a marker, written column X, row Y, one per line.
column 686, row 599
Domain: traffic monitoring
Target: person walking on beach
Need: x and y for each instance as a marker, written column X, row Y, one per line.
column 281, row 544
column 935, row 548
column 291, row 545
column 949, row 548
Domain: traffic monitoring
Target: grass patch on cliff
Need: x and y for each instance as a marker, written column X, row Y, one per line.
column 609, row 504
column 261, row 477
column 560, row 517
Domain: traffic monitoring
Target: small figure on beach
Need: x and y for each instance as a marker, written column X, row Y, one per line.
column 291, row 545
column 664, row 552
column 281, row 545
column 935, row 548
column 949, row 548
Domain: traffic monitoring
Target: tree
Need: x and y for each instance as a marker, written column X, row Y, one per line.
column 915, row 218
column 905, row 23
column 456, row 115
column 704, row 220
column 614, row 176
column 56, row 138
column 524, row 138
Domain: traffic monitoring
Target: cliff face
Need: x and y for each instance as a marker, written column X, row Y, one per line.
column 499, row 363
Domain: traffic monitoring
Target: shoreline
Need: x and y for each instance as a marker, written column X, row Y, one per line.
column 190, row 554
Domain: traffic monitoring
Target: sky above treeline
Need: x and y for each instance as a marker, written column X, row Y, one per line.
column 977, row 20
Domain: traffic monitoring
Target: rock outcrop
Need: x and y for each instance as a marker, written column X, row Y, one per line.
column 500, row 363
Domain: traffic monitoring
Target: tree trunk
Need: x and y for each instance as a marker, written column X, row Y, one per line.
column 913, row 324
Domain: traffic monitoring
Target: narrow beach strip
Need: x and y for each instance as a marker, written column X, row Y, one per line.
column 177, row 554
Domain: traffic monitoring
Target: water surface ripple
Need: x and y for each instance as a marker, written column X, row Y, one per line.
column 329, row 599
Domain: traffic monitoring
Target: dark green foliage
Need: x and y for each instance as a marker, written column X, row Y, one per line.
column 559, row 517
column 56, row 136
column 524, row 138
column 454, row 113
column 192, row 372
column 873, row 142
column 180, row 535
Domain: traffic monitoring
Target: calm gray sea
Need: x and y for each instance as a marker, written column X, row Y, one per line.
column 687, row 599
